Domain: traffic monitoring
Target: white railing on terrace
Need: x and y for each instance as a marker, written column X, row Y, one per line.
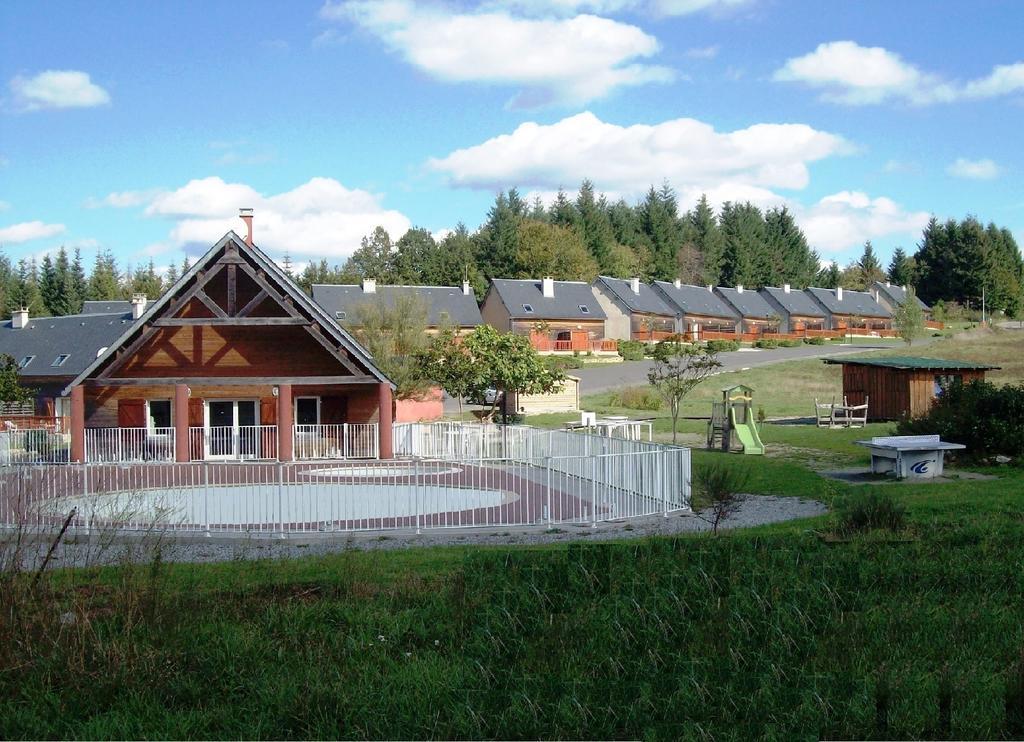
column 246, row 442
column 106, row 445
column 34, row 446
column 342, row 496
column 344, row 441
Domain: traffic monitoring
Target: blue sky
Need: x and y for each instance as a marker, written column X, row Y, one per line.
column 143, row 127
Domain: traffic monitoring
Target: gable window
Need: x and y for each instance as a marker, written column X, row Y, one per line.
column 528, row 308
column 584, row 309
column 158, row 415
column 25, row 361
column 61, row 359
column 339, row 315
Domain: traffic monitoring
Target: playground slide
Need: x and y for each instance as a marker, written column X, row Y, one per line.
column 747, row 435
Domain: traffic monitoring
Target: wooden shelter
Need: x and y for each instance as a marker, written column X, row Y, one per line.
column 902, row 386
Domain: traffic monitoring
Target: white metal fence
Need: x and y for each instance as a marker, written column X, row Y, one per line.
column 344, row 441
column 341, row 496
column 106, row 445
column 34, row 445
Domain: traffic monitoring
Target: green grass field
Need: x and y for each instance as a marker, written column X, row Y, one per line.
column 780, row 632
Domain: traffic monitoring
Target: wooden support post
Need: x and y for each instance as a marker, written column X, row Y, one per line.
column 181, row 436
column 385, row 447
column 78, row 424
column 284, row 422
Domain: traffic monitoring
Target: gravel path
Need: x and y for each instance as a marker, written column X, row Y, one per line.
column 100, row 549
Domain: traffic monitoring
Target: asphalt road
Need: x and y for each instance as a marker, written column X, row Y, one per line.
column 600, row 378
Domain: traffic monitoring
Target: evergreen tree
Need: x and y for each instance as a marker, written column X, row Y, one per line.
column 788, row 256
column 627, row 227
column 455, row 261
column 563, row 213
column 538, row 212
column 145, row 281
column 49, row 288
column 869, row 267
column 497, row 241
column 6, row 283
column 659, row 220
column 707, row 237
column 594, row 225
column 935, row 261
column 24, row 291
column 105, row 282
column 828, row 277
column 743, row 232
column 901, row 268
column 171, row 277
column 79, row 282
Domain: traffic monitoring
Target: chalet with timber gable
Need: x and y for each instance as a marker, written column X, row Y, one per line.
column 234, row 361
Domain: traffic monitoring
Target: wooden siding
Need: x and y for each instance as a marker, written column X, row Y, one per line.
column 566, row 399
column 895, row 393
column 231, row 351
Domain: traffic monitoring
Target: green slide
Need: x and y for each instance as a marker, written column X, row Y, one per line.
column 747, row 434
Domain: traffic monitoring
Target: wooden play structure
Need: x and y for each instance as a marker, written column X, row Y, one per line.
column 732, row 426
column 845, row 415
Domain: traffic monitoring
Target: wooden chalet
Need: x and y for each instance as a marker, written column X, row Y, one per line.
column 233, row 362
column 899, row 387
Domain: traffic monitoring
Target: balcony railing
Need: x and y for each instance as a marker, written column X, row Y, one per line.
column 247, row 442
column 344, row 441
column 104, row 445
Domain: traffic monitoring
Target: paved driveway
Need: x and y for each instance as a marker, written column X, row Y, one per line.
column 600, row 378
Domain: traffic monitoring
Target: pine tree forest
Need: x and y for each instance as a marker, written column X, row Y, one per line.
column 578, row 237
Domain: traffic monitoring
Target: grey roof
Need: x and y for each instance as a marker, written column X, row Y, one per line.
column 568, row 297
column 794, row 302
column 80, row 336
column 106, row 307
column 897, row 294
column 695, row 300
column 646, row 302
column 286, row 282
column 462, row 308
column 858, row 303
column 749, row 303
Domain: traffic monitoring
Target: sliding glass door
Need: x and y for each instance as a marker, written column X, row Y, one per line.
column 232, row 427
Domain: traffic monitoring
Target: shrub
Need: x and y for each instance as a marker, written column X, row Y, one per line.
column 868, row 511
column 636, row 398
column 722, row 346
column 563, row 362
column 766, row 343
column 719, row 486
column 982, row 416
column 814, row 341
column 631, row 350
column 789, row 343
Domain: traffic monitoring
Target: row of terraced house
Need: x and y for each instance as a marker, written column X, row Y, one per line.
column 235, row 352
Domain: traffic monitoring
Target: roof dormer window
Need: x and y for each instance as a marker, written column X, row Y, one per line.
column 61, row 359
column 528, row 308
column 25, row 361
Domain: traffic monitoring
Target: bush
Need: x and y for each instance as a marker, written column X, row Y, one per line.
column 722, row 346
column 868, row 511
column 718, row 485
column 984, row 417
column 766, row 343
column 636, row 398
column 563, row 362
column 789, row 343
column 631, row 350
column 814, row 341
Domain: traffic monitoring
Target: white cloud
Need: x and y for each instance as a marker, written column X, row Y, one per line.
column 847, row 219
column 564, row 60
column 607, row 7
column 58, row 89
column 320, row 218
column 121, row 199
column 974, row 169
column 852, row 74
column 28, row 231
column 628, row 159
column 703, row 52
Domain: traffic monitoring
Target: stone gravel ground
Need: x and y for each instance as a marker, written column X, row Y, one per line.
column 78, row 551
